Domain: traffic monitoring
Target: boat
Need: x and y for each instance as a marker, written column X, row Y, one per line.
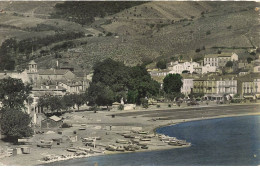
column 73, row 149
column 111, row 148
column 142, row 144
column 88, row 139
column 122, row 141
column 127, row 135
column 144, row 147
column 143, row 132
column 120, row 148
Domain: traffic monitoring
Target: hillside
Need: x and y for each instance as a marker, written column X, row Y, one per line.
column 148, row 31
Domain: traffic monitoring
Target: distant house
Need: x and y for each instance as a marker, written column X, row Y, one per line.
column 179, row 67
column 205, row 69
column 220, row 60
column 51, row 122
column 257, row 69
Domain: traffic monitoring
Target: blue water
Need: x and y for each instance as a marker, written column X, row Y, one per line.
column 225, row 141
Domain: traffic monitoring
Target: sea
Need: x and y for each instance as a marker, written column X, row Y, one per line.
column 230, row 141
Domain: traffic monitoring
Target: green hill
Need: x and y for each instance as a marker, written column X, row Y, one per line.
column 132, row 33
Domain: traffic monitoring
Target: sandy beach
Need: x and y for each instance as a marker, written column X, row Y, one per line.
column 110, row 129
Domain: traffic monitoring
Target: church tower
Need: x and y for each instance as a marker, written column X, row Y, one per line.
column 32, row 67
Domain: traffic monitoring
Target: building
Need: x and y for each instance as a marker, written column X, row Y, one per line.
column 220, row 60
column 215, row 86
column 205, row 69
column 256, row 69
column 179, row 67
column 249, row 85
column 187, row 86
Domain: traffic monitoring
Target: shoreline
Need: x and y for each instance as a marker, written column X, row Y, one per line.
column 129, row 122
column 166, row 148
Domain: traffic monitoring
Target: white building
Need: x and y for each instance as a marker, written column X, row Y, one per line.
column 205, row 69
column 187, row 86
column 257, row 69
column 178, row 67
column 220, row 60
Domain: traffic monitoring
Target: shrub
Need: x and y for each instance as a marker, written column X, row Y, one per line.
column 197, row 50
column 169, row 105
column 208, row 32
column 109, row 34
column 158, row 106
column 229, row 27
column 144, row 103
column 65, row 125
column 121, row 107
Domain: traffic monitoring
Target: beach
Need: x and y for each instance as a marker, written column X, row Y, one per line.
column 110, row 126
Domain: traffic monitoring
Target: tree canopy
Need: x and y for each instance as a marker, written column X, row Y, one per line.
column 229, row 64
column 172, row 83
column 13, row 93
column 161, row 64
column 15, row 123
column 113, row 81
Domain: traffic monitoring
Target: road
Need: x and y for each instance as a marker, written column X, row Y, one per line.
column 196, row 112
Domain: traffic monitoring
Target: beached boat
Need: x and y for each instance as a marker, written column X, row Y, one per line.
column 122, row 141
column 145, row 139
column 144, row 147
column 142, row 144
column 143, row 132
column 120, row 148
column 111, row 148
column 73, row 149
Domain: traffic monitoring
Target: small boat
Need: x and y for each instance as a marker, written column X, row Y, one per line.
column 142, row 144
column 145, row 139
column 144, row 147
column 88, row 139
column 111, row 148
column 120, row 148
column 122, row 141
column 127, row 135
column 73, row 149
column 143, row 132
column 82, row 128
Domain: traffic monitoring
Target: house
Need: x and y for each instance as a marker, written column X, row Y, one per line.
column 72, row 86
column 248, row 85
column 215, row 86
column 205, row 69
column 179, row 67
column 51, row 122
column 256, row 69
column 220, row 60
column 187, row 81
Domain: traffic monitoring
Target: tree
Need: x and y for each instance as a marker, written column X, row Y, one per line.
column 249, row 60
column 79, row 99
column 55, row 103
column 113, row 74
column 172, row 83
column 15, row 123
column 99, row 94
column 141, row 84
column 161, row 64
column 13, row 93
column 67, row 101
column 229, row 64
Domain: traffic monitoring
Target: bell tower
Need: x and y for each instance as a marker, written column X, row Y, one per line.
column 32, row 67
